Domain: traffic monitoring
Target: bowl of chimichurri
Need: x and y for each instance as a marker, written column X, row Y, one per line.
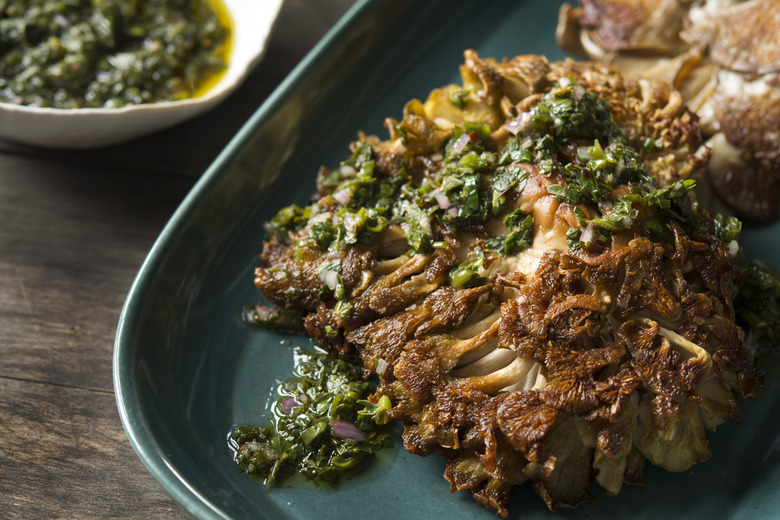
column 82, row 74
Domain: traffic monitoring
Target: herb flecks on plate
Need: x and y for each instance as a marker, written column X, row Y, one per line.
column 322, row 426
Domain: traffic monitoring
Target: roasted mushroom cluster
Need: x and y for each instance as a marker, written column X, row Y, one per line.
column 522, row 266
column 723, row 56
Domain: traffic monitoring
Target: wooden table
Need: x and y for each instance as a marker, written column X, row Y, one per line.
column 75, row 227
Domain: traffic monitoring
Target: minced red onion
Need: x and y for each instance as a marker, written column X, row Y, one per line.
column 347, row 430
column 621, row 167
column 513, row 126
column 605, row 206
column 517, row 126
column 288, row 404
column 460, row 143
column 381, row 366
column 453, row 211
column 578, row 93
column 263, row 311
column 587, row 235
column 343, row 196
column 329, row 278
column 148, row 43
column 506, row 190
column 441, row 199
column 347, row 171
column 63, row 22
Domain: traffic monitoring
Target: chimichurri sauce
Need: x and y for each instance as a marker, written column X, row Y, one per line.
column 322, row 427
column 108, row 53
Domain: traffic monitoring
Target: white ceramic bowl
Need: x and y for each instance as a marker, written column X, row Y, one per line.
column 95, row 127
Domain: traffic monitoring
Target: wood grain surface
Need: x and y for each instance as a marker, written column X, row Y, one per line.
column 75, row 227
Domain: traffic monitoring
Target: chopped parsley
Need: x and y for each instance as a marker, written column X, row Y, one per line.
column 466, row 275
column 593, row 182
column 459, row 96
column 570, row 134
column 568, row 113
column 508, row 182
column 571, row 116
column 727, row 230
column 365, row 203
column 288, row 220
column 520, row 226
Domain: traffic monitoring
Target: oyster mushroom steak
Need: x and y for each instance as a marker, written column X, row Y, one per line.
column 522, row 267
column 724, row 57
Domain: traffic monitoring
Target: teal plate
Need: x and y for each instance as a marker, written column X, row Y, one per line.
column 186, row 369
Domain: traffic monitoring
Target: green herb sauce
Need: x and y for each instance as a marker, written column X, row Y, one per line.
column 322, row 425
column 110, row 53
column 475, row 184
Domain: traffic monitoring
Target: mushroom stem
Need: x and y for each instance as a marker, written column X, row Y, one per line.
column 520, row 373
column 682, row 345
